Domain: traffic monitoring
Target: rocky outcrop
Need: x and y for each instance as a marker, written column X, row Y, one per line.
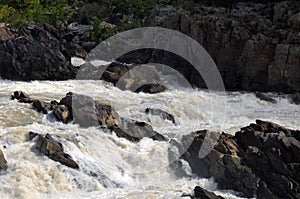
column 34, row 53
column 262, row 160
column 3, row 162
column 254, row 45
column 52, row 148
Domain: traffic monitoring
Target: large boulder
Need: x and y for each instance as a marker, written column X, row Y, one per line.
column 34, row 53
column 262, row 160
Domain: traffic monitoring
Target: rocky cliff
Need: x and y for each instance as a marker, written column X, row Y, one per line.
column 255, row 46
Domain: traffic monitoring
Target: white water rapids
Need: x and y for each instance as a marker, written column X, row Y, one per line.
column 112, row 167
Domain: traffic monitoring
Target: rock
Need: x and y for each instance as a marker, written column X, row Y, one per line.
column 33, row 53
column 3, row 162
column 200, row 193
column 163, row 114
column 264, row 97
column 43, row 107
column 53, row 149
column 86, row 112
column 252, row 45
column 135, row 131
column 296, row 98
column 61, row 113
column 22, row 97
column 137, row 78
column 261, row 160
column 151, row 88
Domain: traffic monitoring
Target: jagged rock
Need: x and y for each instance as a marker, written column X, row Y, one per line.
column 135, row 131
column 163, row 114
column 53, row 149
column 262, row 160
column 3, row 162
column 264, row 97
column 33, row 53
column 246, row 44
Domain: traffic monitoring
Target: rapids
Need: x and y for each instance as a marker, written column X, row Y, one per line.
column 112, row 167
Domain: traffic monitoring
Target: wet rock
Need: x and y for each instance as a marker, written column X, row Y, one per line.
column 43, row 107
column 295, row 98
column 264, row 97
column 49, row 146
column 3, row 162
column 151, row 88
column 86, row 112
column 261, row 160
column 163, row 114
column 137, row 78
column 61, row 113
column 135, row 131
column 200, row 193
column 21, row 97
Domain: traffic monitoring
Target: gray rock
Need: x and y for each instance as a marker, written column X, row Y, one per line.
column 3, row 162
column 49, row 146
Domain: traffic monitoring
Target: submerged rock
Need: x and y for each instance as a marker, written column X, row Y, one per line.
column 135, row 131
column 264, row 97
column 163, row 114
column 3, row 162
column 21, row 97
column 262, row 160
column 151, row 88
column 49, row 146
column 296, row 98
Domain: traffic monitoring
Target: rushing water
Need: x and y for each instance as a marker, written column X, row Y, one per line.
column 112, row 167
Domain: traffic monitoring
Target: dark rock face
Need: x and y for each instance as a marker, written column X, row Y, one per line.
column 34, row 53
column 49, row 146
column 163, row 114
column 254, row 46
column 262, row 160
column 3, row 162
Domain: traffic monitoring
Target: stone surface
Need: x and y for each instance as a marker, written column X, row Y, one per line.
column 262, row 160
column 34, row 53
column 253, row 45
column 3, row 162
column 49, row 146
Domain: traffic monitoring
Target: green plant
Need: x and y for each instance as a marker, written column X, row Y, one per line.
column 102, row 31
